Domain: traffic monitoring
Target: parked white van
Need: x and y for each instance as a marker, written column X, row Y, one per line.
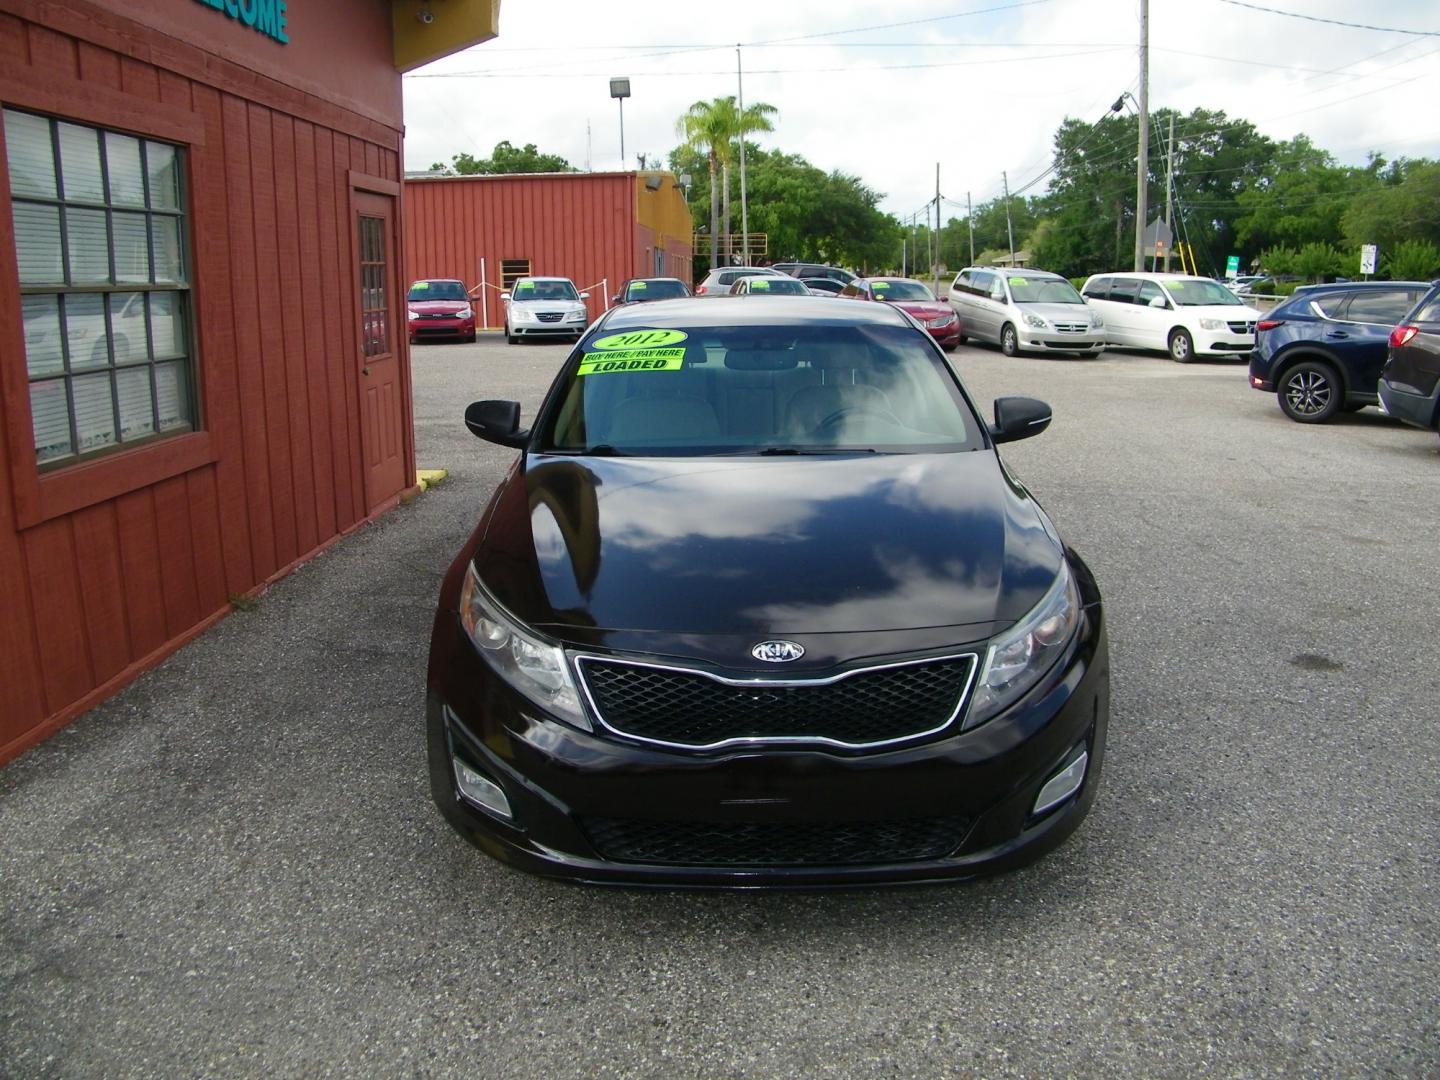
column 1183, row 315
column 1024, row 310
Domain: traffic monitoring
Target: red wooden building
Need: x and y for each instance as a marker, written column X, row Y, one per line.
column 589, row 227
column 203, row 375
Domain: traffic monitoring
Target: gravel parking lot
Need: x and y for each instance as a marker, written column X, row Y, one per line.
column 233, row 868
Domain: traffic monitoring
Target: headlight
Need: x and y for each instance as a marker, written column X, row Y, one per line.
column 520, row 314
column 1097, row 322
column 941, row 320
column 532, row 666
column 1212, row 324
column 1036, row 321
column 1018, row 658
column 465, row 312
column 575, row 316
column 413, row 313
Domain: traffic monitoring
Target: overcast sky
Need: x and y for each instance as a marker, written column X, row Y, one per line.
column 888, row 91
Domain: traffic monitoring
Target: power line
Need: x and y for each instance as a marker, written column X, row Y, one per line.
column 1332, row 22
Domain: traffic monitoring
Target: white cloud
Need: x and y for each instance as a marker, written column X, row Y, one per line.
column 1000, row 84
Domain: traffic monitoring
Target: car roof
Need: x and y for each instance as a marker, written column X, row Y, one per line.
column 772, row 311
column 420, row 279
column 1017, row 271
column 533, row 277
column 631, row 281
column 1148, row 275
column 1346, row 286
column 893, row 277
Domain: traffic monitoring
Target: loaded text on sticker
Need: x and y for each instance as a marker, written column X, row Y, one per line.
column 639, row 339
column 1020, row 281
column 632, row 360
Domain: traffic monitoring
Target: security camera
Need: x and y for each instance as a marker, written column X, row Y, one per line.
column 425, row 15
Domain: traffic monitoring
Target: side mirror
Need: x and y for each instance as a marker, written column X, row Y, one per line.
column 1159, row 302
column 1019, row 418
column 615, row 299
column 584, row 296
column 497, row 422
column 505, row 295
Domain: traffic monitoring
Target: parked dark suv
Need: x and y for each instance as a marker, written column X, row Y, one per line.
column 1410, row 381
column 815, row 270
column 1322, row 350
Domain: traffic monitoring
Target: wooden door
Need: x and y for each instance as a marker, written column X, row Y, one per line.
column 381, row 400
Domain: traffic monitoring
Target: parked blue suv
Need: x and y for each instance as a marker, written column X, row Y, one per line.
column 1322, row 350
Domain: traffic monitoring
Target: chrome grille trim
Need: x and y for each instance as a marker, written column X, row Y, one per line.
column 961, row 701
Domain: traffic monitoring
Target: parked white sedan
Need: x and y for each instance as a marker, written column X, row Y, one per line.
column 541, row 307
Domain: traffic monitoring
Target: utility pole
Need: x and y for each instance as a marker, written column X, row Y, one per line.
column 904, row 266
column 970, row 220
column 929, row 238
column 1010, row 229
column 1142, row 149
column 938, row 233
column 1170, row 192
column 744, row 209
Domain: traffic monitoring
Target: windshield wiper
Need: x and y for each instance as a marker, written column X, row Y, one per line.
column 795, row 451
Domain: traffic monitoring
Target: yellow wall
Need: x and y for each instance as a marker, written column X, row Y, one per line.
column 663, row 210
column 457, row 24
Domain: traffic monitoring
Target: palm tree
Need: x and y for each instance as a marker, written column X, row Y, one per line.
column 712, row 128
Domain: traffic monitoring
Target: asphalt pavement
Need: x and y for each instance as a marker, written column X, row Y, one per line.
column 233, row 868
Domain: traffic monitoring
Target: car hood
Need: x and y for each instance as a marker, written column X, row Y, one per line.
column 924, row 309
column 705, row 557
column 437, row 307
column 547, row 305
column 1065, row 313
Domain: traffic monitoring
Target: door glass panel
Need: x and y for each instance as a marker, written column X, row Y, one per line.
column 165, row 249
column 167, row 325
column 50, row 416
column 374, row 317
column 132, row 248
column 85, row 330
column 172, row 395
column 137, row 415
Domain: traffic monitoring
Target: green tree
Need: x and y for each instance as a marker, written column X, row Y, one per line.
column 505, row 158
column 1318, row 261
column 1404, row 206
column 1299, row 200
column 1411, row 260
column 715, row 128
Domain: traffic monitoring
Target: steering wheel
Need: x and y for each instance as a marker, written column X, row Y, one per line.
column 835, row 418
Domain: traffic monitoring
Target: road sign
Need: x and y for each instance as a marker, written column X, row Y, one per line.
column 1232, row 266
column 1369, row 256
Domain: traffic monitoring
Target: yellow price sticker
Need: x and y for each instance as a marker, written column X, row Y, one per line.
column 622, row 360
column 639, row 339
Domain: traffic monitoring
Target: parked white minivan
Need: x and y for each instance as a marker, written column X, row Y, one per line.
column 1176, row 313
column 1024, row 310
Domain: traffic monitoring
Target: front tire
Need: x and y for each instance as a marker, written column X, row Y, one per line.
column 510, row 338
column 1311, row 392
column 1182, row 346
column 1009, row 340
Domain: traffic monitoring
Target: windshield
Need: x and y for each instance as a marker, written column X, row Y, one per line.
column 1201, row 292
column 786, row 286
column 1030, row 290
column 437, row 290
column 900, row 290
column 783, row 389
column 545, row 290
column 659, row 289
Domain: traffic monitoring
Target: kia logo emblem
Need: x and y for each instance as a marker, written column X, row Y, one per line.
column 777, row 652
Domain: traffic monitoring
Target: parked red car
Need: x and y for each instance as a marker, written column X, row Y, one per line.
column 913, row 296
column 439, row 308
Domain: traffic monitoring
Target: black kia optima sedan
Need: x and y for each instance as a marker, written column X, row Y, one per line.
column 758, row 604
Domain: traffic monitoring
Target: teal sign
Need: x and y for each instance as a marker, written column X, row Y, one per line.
column 1232, row 266
column 264, row 16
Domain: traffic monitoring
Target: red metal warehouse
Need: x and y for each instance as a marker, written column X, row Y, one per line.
column 595, row 228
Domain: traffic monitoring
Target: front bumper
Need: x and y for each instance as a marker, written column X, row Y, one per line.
column 566, row 787
column 423, row 328
column 556, row 329
column 1034, row 340
column 1224, row 343
column 1421, row 410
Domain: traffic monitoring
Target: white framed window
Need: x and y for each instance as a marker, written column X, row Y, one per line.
column 101, row 244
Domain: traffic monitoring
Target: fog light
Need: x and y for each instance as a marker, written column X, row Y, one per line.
column 481, row 790
column 1062, row 785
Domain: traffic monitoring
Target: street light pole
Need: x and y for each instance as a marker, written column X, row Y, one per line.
column 744, row 209
column 620, row 90
column 1142, row 149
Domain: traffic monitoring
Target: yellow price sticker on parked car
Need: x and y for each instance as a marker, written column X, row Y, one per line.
column 622, row 360
column 638, row 286
column 1018, row 281
column 639, row 339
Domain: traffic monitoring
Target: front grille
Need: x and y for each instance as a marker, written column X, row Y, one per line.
column 692, row 709
column 549, row 316
column 1241, row 327
column 439, row 315
column 1072, row 327
column 798, row 843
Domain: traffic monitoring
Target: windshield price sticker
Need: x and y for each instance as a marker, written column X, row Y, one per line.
column 1018, row 282
column 420, row 286
column 639, row 339
column 638, row 286
column 619, row 360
